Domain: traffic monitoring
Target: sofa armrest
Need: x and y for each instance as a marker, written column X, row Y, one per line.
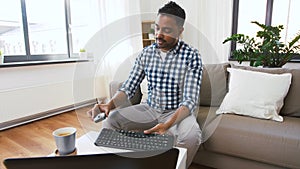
column 115, row 85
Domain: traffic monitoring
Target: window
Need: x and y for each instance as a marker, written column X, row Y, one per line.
column 85, row 17
column 46, row 27
column 269, row 12
column 35, row 30
column 11, row 28
column 286, row 13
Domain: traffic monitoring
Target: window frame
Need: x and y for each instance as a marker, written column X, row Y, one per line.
column 268, row 21
column 43, row 57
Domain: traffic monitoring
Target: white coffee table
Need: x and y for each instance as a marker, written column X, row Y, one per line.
column 85, row 145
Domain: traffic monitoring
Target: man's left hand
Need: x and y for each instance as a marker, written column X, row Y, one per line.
column 160, row 128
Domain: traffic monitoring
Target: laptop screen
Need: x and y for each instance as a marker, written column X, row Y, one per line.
column 132, row 160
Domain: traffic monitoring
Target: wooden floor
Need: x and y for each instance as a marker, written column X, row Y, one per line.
column 35, row 138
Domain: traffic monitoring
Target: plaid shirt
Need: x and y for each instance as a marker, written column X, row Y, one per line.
column 172, row 82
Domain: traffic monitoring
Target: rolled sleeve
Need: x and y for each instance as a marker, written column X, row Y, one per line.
column 192, row 82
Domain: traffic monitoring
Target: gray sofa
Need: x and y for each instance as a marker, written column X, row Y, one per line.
column 235, row 141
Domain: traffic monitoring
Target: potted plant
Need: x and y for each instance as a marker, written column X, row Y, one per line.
column 82, row 54
column 266, row 49
column 1, row 57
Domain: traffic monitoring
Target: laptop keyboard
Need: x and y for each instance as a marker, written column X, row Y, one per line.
column 130, row 140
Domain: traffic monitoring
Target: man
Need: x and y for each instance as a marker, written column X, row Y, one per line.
column 173, row 70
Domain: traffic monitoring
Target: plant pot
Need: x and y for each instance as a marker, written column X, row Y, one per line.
column 1, row 59
column 83, row 55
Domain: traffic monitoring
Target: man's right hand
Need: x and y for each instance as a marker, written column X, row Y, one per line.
column 98, row 108
column 119, row 97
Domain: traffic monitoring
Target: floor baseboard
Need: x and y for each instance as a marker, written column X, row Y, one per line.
column 42, row 115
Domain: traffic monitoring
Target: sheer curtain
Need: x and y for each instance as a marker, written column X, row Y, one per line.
column 208, row 23
column 116, row 43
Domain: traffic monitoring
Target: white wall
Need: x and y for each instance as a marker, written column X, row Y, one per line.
column 151, row 6
column 28, row 90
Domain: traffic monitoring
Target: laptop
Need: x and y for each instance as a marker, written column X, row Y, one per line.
column 129, row 160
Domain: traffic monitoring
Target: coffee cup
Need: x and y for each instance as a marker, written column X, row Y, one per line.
column 65, row 140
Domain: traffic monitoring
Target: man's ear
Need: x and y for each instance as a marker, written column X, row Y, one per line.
column 181, row 29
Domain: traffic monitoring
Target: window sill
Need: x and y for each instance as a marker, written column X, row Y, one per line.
column 33, row 63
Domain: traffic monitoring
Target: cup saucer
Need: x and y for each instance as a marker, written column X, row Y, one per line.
column 56, row 152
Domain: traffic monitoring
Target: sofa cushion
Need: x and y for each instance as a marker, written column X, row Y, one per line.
column 213, row 84
column 255, row 94
column 205, row 115
column 114, row 87
column 291, row 105
column 256, row 139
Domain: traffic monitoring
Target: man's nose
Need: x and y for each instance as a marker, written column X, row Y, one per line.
column 159, row 34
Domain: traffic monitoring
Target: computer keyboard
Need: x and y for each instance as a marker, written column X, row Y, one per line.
column 136, row 141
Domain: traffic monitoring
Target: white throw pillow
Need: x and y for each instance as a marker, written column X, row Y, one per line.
column 255, row 94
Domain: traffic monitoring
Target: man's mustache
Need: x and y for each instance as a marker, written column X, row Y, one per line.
column 160, row 39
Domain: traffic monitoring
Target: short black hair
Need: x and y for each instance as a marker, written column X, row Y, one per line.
column 171, row 8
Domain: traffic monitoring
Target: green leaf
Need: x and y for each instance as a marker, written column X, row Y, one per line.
column 296, row 39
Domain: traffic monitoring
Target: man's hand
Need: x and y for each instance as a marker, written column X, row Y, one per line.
column 98, row 108
column 160, row 128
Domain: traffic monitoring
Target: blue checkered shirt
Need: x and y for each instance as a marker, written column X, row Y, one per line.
column 172, row 82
